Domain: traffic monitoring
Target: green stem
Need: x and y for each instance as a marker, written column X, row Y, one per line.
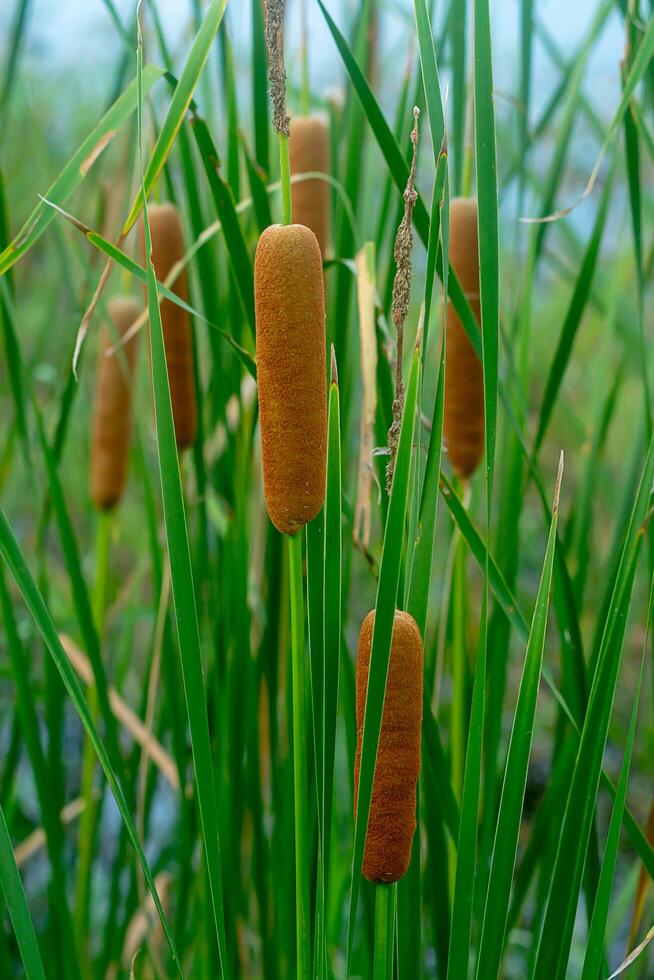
column 300, row 781
column 458, row 704
column 99, row 596
column 384, row 931
column 304, row 87
column 458, row 711
column 285, row 178
column 89, row 813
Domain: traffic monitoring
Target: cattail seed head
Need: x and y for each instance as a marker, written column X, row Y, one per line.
column 112, row 410
column 463, row 419
column 290, row 320
column 167, row 249
column 392, row 820
column 309, row 152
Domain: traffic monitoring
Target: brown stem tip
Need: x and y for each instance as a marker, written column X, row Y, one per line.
column 276, row 72
column 402, row 253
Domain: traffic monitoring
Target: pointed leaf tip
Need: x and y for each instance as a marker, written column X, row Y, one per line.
column 334, row 368
column 559, row 478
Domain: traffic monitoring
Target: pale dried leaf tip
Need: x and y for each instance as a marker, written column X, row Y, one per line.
column 96, row 151
column 95, row 299
column 334, row 368
column 557, row 491
column 276, row 71
column 402, row 253
column 75, row 222
column 634, row 954
column 421, row 327
column 564, row 212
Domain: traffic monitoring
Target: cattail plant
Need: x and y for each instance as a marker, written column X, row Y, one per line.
column 290, row 320
column 463, row 418
column 167, row 249
column 309, row 152
column 392, row 819
column 290, row 315
column 111, row 428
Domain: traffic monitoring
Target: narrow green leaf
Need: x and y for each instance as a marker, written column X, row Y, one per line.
column 333, row 547
column 50, row 819
column 489, row 272
column 399, row 169
column 130, row 265
column 180, row 101
column 639, row 66
column 478, row 549
column 554, row 943
column 430, row 79
column 424, row 545
column 180, row 570
column 13, row 556
column 573, row 319
column 515, row 773
column 14, row 893
column 226, row 212
column 260, row 87
column 76, row 169
column 461, row 923
column 594, row 958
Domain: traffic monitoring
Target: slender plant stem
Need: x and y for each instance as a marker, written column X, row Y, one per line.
column 285, row 178
column 384, row 930
column 304, row 88
column 89, row 813
column 99, row 597
column 457, row 714
column 300, row 782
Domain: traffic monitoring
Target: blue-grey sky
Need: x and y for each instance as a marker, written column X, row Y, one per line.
column 77, row 37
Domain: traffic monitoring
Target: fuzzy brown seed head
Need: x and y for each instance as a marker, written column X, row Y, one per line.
column 112, row 408
column 392, row 820
column 463, row 420
column 276, row 71
column 167, row 249
column 291, row 373
column 309, row 152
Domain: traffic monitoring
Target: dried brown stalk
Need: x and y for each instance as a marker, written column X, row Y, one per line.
column 276, row 71
column 402, row 254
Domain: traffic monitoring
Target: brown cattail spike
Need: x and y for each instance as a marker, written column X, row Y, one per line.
column 167, row 250
column 291, row 371
column 112, row 414
column 309, row 152
column 463, row 421
column 392, row 820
